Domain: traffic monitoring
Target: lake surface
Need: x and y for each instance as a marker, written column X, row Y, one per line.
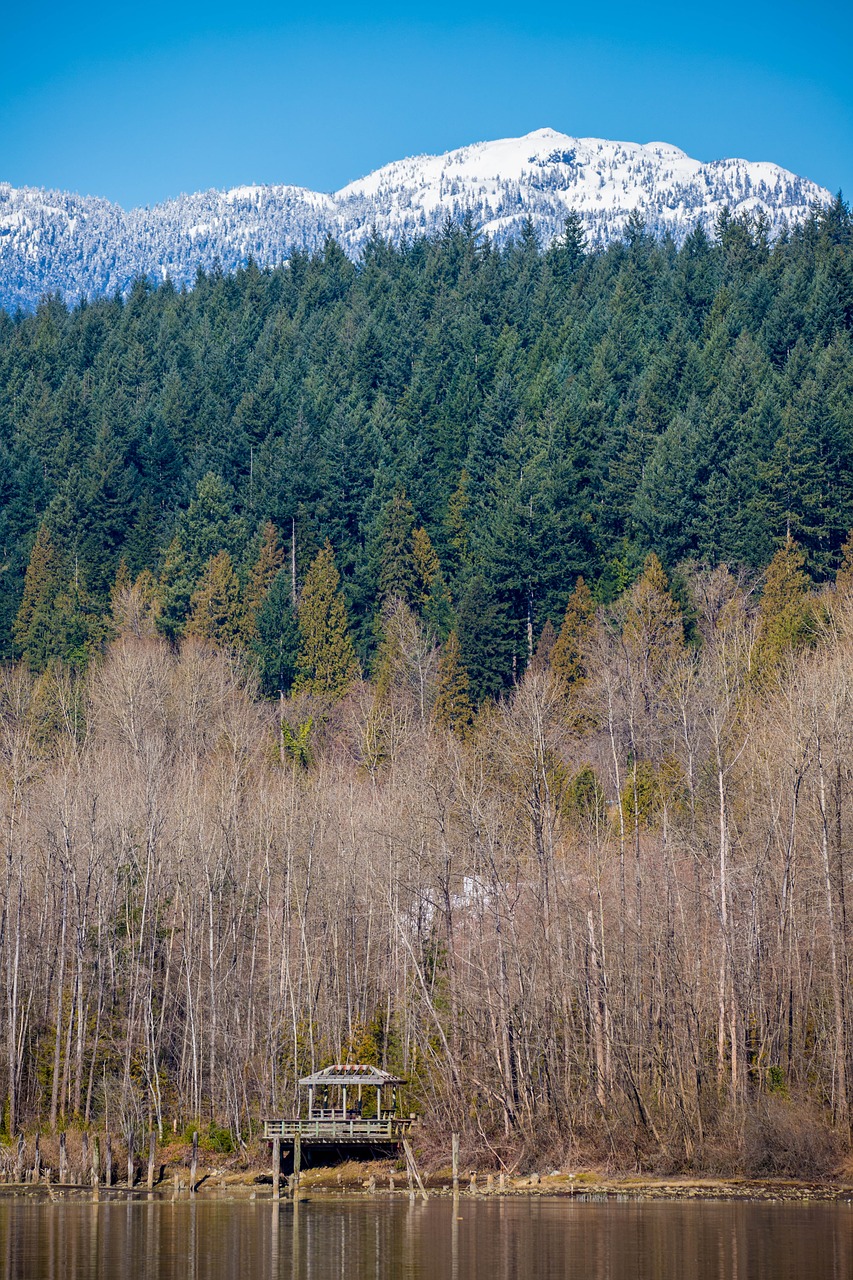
column 395, row 1239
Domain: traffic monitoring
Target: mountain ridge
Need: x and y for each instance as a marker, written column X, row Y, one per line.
column 88, row 245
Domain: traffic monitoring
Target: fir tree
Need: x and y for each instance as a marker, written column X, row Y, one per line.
column 457, row 523
column 327, row 664
column 567, row 657
column 485, row 640
column 122, row 582
column 786, row 614
column 216, row 612
column 276, row 641
column 433, row 595
column 397, row 569
column 653, row 625
column 208, row 526
column 32, row 628
column 452, row 707
column 541, row 659
column 262, row 575
column 80, row 627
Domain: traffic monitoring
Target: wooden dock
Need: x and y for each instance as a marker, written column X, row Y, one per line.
column 336, row 1104
column 339, row 1130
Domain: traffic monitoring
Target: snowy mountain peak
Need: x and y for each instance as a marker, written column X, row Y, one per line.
column 82, row 245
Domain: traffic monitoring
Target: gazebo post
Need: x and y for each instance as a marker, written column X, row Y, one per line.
column 344, row 1107
column 310, row 1102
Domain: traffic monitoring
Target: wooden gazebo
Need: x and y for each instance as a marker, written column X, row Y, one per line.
column 336, row 1106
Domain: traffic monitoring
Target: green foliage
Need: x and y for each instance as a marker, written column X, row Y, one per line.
column 452, row 707
column 471, row 428
column 584, row 798
column 786, row 616
column 276, row 642
column 296, row 743
column 33, row 629
column 640, row 798
column 776, row 1082
column 568, row 656
column 327, row 664
column 216, row 610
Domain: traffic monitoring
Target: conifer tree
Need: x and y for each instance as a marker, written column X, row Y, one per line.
column 327, row 664
column 80, row 627
column 397, row 570
column 458, row 525
column 216, row 613
column 208, row 526
column 541, row 659
column 452, row 707
column 485, row 640
column 135, row 605
column 277, row 641
column 786, row 613
column 653, row 627
column 433, row 596
column 33, row 625
column 122, row 581
column 261, row 576
column 567, row 656
column 427, row 566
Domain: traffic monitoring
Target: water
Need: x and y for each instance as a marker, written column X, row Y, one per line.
column 395, row 1239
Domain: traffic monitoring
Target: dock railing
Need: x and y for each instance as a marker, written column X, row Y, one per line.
column 340, row 1129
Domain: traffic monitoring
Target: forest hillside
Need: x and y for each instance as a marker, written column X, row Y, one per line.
column 444, row 661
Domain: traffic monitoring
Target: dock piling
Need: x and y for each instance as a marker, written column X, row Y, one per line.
column 276, row 1168
column 297, row 1161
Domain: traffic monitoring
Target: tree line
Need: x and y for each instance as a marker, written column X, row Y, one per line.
column 605, row 916
column 497, row 420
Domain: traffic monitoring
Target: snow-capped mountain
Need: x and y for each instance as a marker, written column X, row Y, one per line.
column 84, row 245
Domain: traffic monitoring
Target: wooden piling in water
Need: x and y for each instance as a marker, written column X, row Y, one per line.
column 454, row 1147
column 194, row 1165
column 96, row 1162
column 276, row 1168
column 84, row 1158
column 131, row 1172
column 297, row 1161
column 108, row 1172
column 19, row 1159
column 37, row 1160
column 63, row 1159
column 152, row 1155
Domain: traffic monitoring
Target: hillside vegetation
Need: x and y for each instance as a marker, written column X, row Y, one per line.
column 445, row 662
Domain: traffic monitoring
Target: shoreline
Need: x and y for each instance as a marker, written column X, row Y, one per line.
column 333, row 1184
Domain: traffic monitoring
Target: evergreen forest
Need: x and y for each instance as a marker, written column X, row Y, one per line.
column 445, row 661
column 533, row 415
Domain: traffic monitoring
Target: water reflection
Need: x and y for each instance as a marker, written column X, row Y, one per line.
column 463, row 1239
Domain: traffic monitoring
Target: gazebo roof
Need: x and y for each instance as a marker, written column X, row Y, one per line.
column 352, row 1073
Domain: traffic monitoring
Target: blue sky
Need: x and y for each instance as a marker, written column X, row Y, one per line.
column 142, row 101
